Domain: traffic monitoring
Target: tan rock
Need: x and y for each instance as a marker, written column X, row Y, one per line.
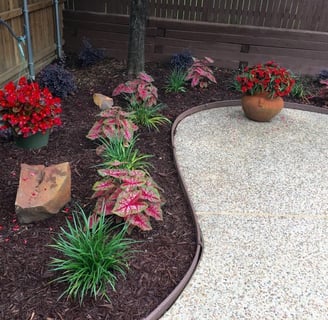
column 42, row 191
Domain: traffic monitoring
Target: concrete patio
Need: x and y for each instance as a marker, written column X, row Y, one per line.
column 260, row 192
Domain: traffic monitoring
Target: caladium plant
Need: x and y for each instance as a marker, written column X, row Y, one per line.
column 200, row 73
column 140, row 90
column 113, row 122
column 130, row 194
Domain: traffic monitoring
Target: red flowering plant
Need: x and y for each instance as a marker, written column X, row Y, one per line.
column 28, row 109
column 265, row 78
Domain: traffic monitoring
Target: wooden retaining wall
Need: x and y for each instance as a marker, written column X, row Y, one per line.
column 302, row 51
column 42, row 25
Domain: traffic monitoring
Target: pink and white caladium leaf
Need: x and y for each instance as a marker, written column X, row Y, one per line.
column 194, row 81
column 209, row 60
column 104, row 206
column 150, row 194
column 96, row 130
column 154, row 211
column 201, row 74
column 122, row 88
column 104, row 185
column 145, row 77
column 139, row 220
column 93, row 219
column 129, row 203
column 115, row 173
column 131, row 182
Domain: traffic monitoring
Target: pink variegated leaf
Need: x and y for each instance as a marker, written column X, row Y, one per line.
column 104, row 185
column 115, row 163
column 154, row 211
column 109, row 113
column 122, row 88
column 100, row 149
column 95, row 131
column 131, row 182
column 201, row 71
column 137, row 173
column 129, row 203
column 211, row 78
column 203, row 84
column 104, row 206
column 209, row 60
column 195, row 81
column 113, row 196
column 145, row 77
column 109, row 131
column 127, row 130
column 139, row 220
column 93, row 219
column 115, row 173
column 150, row 194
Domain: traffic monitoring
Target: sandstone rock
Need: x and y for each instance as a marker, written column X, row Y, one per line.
column 42, row 191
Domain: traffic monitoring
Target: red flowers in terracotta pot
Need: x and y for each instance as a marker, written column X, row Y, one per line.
column 267, row 78
column 27, row 109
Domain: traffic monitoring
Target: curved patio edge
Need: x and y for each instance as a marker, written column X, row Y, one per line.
column 172, row 297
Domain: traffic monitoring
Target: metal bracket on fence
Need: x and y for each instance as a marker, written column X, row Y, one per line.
column 20, row 39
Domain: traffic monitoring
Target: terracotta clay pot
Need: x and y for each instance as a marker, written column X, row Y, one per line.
column 261, row 107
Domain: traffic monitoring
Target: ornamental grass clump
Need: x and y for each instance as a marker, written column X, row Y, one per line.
column 117, row 155
column 268, row 78
column 27, row 109
column 92, row 257
column 176, row 81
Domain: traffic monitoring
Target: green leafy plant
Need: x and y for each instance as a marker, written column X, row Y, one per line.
column 267, row 78
column 92, row 256
column 120, row 156
column 129, row 194
column 176, row 81
column 147, row 116
column 299, row 90
column 200, row 73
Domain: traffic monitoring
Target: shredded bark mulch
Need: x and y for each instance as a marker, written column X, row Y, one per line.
column 164, row 254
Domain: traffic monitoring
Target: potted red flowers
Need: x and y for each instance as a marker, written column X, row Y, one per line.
column 263, row 86
column 29, row 112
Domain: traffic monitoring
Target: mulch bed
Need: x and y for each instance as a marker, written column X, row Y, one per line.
column 164, row 254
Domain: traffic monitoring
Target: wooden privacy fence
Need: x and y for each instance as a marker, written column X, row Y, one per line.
column 43, row 36
column 291, row 32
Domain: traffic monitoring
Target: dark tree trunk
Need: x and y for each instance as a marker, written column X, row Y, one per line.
column 137, row 27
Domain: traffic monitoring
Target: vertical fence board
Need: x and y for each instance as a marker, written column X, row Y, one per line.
column 42, row 28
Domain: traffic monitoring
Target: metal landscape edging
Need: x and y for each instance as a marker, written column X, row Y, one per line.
column 172, row 297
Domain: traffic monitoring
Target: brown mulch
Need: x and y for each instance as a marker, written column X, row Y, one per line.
column 164, row 254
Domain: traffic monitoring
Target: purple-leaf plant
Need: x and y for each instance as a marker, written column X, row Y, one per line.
column 129, row 194
column 200, row 73
column 140, row 90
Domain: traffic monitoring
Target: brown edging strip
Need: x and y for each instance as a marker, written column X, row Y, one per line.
column 171, row 298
